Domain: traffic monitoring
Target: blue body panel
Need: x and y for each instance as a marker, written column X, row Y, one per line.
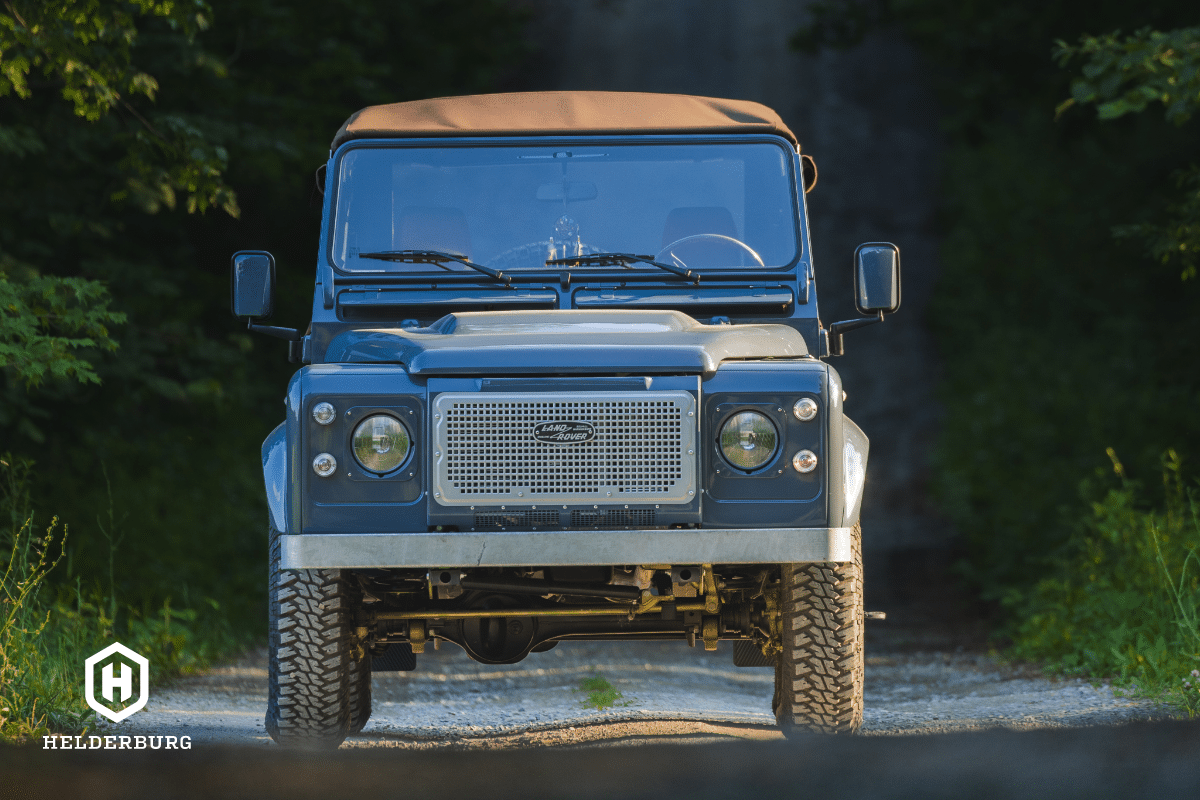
column 351, row 500
column 776, row 495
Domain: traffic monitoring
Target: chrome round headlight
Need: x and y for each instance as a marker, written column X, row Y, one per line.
column 804, row 461
column 325, row 465
column 749, row 440
column 381, row 443
column 805, row 409
column 324, row 413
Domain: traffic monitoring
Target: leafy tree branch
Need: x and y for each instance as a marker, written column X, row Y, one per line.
column 1126, row 76
column 86, row 50
column 46, row 321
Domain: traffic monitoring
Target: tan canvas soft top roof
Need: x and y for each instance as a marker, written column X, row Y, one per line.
column 561, row 113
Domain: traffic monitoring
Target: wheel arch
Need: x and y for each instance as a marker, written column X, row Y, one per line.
column 275, row 477
column 855, row 448
column 846, row 460
column 280, row 459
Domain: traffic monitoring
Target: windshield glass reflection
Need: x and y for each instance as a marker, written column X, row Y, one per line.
column 720, row 205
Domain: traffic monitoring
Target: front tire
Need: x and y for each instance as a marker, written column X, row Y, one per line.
column 819, row 675
column 360, row 695
column 310, row 655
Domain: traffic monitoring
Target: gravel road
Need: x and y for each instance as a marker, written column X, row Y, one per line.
column 670, row 693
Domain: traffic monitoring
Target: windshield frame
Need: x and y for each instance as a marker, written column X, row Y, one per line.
column 798, row 212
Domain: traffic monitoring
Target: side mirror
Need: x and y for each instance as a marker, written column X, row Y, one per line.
column 252, row 284
column 877, row 278
column 876, row 290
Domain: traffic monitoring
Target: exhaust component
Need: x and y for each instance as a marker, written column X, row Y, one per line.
column 416, row 635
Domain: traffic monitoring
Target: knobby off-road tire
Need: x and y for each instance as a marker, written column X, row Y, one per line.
column 360, row 695
column 310, row 655
column 819, row 676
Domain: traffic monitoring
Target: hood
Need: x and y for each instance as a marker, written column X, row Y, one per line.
column 566, row 341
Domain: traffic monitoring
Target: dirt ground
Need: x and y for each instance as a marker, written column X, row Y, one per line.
column 943, row 719
column 919, row 679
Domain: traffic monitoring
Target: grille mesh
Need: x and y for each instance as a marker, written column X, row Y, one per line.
column 486, row 449
column 515, row 519
column 613, row 516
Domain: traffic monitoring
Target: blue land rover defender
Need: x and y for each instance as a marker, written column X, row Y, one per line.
column 565, row 379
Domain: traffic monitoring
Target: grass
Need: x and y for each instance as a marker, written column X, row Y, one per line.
column 600, row 693
column 1126, row 602
column 47, row 631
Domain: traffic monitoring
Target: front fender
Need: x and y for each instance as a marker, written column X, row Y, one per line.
column 275, row 477
column 281, row 461
column 855, row 447
column 847, row 459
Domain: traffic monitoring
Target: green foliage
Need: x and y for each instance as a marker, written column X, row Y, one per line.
column 23, row 618
column 1177, row 240
column 46, row 321
column 1053, row 346
column 45, row 639
column 1125, row 600
column 990, row 59
column 601, row 693
column 1124, row 76
column 86, row 48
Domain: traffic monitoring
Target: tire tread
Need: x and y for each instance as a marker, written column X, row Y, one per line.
column 819, row 678
column 309, row 655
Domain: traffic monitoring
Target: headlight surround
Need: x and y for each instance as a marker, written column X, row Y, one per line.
column 749, row 440
column 381, row 443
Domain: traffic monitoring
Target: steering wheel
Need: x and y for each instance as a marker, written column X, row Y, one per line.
column 711, row 237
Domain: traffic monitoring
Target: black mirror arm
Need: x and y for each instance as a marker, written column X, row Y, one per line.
column 836, row 330
column 287, row 334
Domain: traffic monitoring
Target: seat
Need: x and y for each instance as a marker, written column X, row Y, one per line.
column 692, row 220
column 432, row 228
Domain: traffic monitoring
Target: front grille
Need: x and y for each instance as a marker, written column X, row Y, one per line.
column 515, row 519
column 625, row 446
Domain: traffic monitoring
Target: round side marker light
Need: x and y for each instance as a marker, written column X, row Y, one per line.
column 324, row 413
column 805, row 461
column 805, row 409
column 325, row 465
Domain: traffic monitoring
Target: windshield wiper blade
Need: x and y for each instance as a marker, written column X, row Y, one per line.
column 435, row 257
column 624, row 260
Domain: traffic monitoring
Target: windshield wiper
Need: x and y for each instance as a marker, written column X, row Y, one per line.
column 435, row 257
column 624, row 260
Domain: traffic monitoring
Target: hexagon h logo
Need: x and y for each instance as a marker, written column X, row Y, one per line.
column 117, row 684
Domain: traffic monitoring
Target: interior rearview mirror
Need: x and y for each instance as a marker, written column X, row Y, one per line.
column 568, row 190
column 252, row 284
column 877, row 278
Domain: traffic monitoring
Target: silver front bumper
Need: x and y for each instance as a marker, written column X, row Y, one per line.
column 566, row 548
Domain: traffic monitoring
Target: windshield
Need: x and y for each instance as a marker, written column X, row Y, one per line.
column 714, row 205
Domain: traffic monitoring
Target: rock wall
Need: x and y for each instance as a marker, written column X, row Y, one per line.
column 869, row 118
